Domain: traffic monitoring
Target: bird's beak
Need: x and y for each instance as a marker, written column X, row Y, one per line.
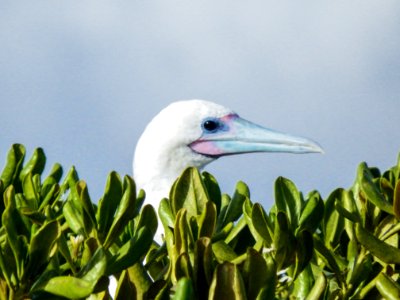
column 242, row 136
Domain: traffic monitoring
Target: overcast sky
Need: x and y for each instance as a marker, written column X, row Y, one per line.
column 82, row 79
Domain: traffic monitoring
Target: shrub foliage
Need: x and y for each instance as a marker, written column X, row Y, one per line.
column 55, row 243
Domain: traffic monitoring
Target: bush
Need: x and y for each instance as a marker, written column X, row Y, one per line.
column 56, row 244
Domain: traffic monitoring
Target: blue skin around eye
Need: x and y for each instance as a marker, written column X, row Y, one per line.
column 220, row 126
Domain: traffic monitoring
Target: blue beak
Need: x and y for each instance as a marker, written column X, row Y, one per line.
column 236, row 135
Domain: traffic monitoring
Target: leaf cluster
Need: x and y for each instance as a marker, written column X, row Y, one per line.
column 56, row 244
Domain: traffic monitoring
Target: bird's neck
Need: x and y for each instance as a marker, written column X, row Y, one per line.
column 156, row 172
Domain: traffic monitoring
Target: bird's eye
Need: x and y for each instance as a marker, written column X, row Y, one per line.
column 210, row 125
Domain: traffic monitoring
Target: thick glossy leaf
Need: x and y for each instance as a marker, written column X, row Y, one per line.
column 148, row 219
column 12, row 223
column 230, row 231
column 260, row 223
column 125, row 211
column 96, row 267
column 68, row 287
column 327, row 256
column 15, row 158
column 208, row 220
column 318, row 289
column 189, row 192
column 387, row 287
column 139, row 277
column 303, row 283
column 41, row 246
column 165, row 213
column 183, row 267
column 35, row 165
column 31, row 194
column 247, row 212
column 86, row 203
column 312, row 213
column 109, row 202
column 227, row 283
column 372, row 192
column 74, row 218
column 396, row 200
column 56, row 172
column 378, row 248
column 234, row 208
column 304, row 251
column 203, row 266
column 284, row 242
column 333, row 222
column 184, row 289
column 287, row 199
column 125, row 288
column 130, row 252
column 223, row 252
column 256, row 274
column 213, row 189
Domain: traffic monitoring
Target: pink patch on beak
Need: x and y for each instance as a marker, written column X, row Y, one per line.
column 206, row 148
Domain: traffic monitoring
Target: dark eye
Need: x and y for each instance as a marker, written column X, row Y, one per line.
column 210, row 125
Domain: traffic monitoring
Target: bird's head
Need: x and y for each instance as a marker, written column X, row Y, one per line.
column 196, row 132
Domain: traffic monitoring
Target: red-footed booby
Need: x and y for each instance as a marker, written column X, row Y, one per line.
column 195, row 133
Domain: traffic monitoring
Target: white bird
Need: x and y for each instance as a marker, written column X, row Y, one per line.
column 195, row 133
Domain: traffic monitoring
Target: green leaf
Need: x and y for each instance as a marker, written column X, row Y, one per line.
column 165, row 213
column 203, row 266
column 109, row 202
column 86, row 203
column 378, row 248
column 312, row 213
column 319, row 287
column 303, row 283
column 189, row 192
column 234, row 208
column 333, row 222
column 284, row 242
column 213, row 189
column 287, row 199
column 41, row 246
column 12, row 223
column 223, row 252
column 372, row 192
column 387, row 287
column 15, row 158
column 260, row 222
column 74, row 218
column 125, row 211
column 184, row 289
column 31, row 194
column 304, row 251
column 396, row 200
column 256, row 274
column 183, row 268
column 96, row 266
column 35, row 165
column 130, row 252
column 227, row 283
column 56, row 172
column 125, row 288
column 148, row 219
column 67, row 286
column 208, row 220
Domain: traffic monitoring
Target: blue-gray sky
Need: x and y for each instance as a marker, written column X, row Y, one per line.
column 82, row 79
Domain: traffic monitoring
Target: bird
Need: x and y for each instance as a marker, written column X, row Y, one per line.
column 194, row 133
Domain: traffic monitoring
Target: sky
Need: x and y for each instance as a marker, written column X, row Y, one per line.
column 81, row 79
